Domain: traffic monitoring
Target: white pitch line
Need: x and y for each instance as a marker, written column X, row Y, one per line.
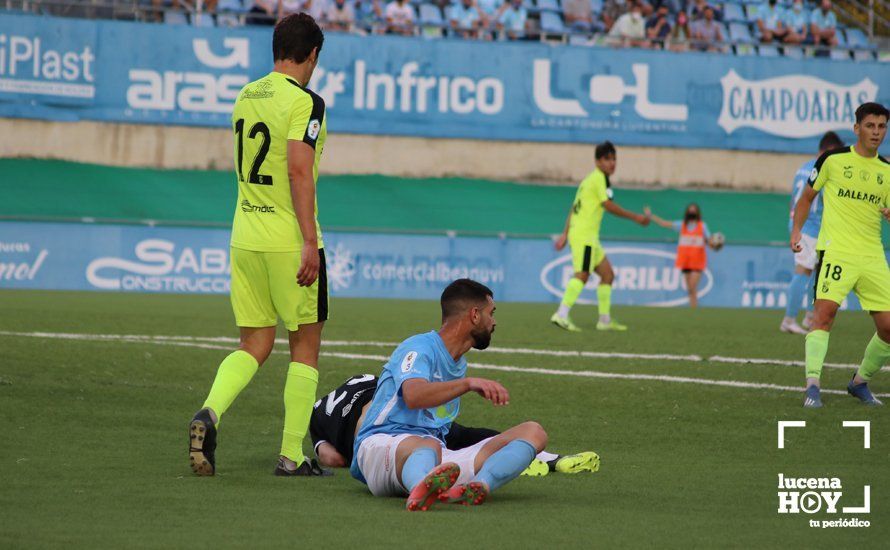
column 518, row 351
column 192, row 342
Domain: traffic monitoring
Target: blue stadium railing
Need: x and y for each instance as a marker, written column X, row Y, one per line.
column 547, row 23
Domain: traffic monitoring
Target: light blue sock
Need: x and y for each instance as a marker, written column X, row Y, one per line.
column 418, row 465
column 506, row 464
column 796, row 292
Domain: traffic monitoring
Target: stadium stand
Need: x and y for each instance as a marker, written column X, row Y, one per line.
column 546, row 20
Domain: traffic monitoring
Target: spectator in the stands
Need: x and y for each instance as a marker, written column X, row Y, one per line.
column 368, row 15
column 796, row 21
column 489, row 11
column 613, row 9
column 630, row 28
column 513, row 20
column 287, row 7
column 228, row 13
column 707, row 33
column 681, row 35
column 658, row 27
column 674, row 6
column 464, row 18
column 770, row 22
column 697, row 10
column 823, row 25
column 400, row 17
column 578, row 15
column 263, row 12
column 339, row 16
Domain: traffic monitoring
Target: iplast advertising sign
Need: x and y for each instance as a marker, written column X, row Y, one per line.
column 132, row 258
column 59, row 69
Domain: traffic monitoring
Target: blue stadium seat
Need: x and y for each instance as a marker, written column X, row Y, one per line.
column 431, row 15
column 856, row 38
column 841, row 37
column 175, row 18
column 794, row 52
column 549, row 5
column 767, row 51
column 864, row 55
column 739, row 33
column 840, row 54
column 205, row 20
column 733, row 12
column 752, row 11
column 552, row 23
column 597, row 6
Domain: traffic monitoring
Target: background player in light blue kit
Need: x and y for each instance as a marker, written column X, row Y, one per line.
column 400, row 448
column 805, row 260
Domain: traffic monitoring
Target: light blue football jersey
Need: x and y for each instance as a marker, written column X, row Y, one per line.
column 422, row 356
column 814, row 221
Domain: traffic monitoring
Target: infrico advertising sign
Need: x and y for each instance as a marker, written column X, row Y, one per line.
column 58, row 69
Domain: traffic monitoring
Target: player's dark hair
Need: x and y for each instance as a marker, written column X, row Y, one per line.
column 461, row 294
column 830, row 141
column 295, row 37
column 871, row 108
column 687, row 217
column 604, row 149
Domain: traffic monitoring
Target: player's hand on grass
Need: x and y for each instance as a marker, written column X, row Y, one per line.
column 309, row 262
column 795, row 241
column 490, row 390
column 560, row 242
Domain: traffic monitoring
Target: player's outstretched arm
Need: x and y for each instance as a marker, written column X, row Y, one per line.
column 613, row 208
column 300, row 161
column 801, row 213
column 658, row 221
column 423, row 394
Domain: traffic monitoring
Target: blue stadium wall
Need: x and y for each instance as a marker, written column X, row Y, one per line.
column 132, row 258
column 66, row 69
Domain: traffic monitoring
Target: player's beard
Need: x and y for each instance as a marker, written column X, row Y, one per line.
column 481, row 338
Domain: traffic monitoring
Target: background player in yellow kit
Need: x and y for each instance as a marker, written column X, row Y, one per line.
column 855, row 185
column 278, row 267
column 582, row 232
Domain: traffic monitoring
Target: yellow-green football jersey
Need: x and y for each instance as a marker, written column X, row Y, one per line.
column 269, row 112
column 587, row 210
column 854, row 189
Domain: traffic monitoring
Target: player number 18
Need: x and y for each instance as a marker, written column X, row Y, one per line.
column 834, row 273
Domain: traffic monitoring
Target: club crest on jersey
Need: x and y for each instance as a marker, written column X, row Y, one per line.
column 313, row 129
column 864, row 175
column 848, row 172
column 408, row 361
column 880, row 179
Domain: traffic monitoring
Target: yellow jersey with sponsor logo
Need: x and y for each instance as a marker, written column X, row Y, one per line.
column 854, row 189
column 269, row 112
column 587, row 210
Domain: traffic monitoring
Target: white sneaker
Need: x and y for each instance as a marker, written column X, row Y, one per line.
column 792, row 327
column 807, row 322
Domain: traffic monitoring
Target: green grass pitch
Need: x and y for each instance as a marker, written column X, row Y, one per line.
column 93, row 451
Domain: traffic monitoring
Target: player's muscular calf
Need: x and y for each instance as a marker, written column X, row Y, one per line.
column 882, row 324
column 824, row 312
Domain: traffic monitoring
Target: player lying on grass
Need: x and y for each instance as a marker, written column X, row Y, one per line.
column 855, row 185
column 338, row 416
column 400, row 448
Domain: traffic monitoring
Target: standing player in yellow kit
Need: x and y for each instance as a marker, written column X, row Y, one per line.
column 855, row 185
column 278, row 266
column 582, row 233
